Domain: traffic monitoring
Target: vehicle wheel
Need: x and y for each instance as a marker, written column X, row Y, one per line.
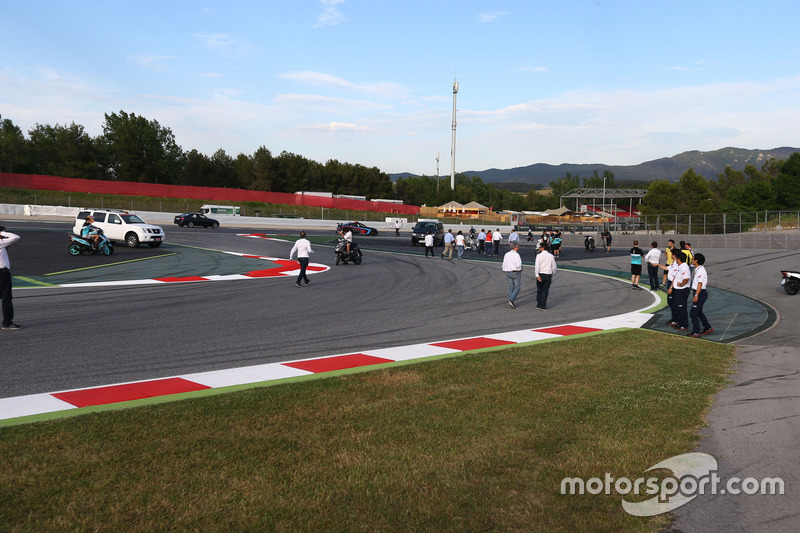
column 215, row 225
column 132, row 240
column 376, row 233
column 153, row 244
column 74, row 249
column 180, row 225
column 357, row 260
column 190, row 224
column 338, row 258
column 473, row 247
column 107, row 250
column 790, row 288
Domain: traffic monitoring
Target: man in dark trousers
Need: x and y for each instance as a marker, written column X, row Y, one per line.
column 606, row 236
column 545, row 270
column 680, row 288
column 302, row 249
column 6, row 240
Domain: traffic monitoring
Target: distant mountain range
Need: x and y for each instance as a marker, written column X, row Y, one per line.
column 707, row 164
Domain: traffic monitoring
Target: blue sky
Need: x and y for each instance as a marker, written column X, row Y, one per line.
column 370, row 81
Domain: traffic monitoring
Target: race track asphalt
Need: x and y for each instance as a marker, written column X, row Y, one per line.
column 77, row 337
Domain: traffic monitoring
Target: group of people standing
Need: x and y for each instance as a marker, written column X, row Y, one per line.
column 685, row 275
column 552, row 242
column 489, row 243
column 450, row 241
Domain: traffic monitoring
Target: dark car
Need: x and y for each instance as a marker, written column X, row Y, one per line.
column 357, row 228
column 196, row 219
column 423, row 227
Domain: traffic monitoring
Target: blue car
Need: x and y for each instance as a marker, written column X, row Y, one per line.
column 357, row 228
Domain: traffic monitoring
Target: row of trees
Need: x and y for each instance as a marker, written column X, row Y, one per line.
column 776, row 186
column 133, row 148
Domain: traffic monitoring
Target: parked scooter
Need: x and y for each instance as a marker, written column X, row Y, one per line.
column 342, row 255
column 588, row 242
column 790, row 281
column 79, row 245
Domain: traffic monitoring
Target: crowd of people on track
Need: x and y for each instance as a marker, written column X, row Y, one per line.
column 684, row 273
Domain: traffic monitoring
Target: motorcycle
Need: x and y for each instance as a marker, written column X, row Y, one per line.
column 79, row 245
column 342, row 255
column 790, row 281
column 588, row 242
column 471, row 242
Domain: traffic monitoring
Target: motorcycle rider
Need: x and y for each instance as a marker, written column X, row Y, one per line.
column 89, row 232
column 348, row 238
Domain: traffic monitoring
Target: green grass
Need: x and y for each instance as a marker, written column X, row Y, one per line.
column 470, row 443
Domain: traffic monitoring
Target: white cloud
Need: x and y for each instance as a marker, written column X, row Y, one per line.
column 223, row 44
column 154, row 63
column 330, row 16
column 628, row 126
column 329, row 81
column 533, row 69
column 491, row 17
column 621, row 126
column 340, row 127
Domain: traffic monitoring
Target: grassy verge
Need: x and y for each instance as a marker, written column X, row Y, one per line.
column 476, row 442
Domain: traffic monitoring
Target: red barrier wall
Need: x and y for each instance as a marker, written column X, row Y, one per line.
column 212, row 194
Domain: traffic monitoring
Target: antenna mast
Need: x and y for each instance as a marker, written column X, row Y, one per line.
column 437, row 172
column 453, row 143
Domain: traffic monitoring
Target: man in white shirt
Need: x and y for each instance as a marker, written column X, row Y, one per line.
column 653, row 260
column 6, row 240
column 429, row 244
column 671, row 270
column 545, row 270
column 347, row 235
column 496, row 238
column 512, row 266
column 680, row 292
column 700, row 286
column 301, row 248
column 460, row 244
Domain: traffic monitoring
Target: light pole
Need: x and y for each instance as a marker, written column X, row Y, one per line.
column 453, row 143
column 437, row 174
column 604, row 201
